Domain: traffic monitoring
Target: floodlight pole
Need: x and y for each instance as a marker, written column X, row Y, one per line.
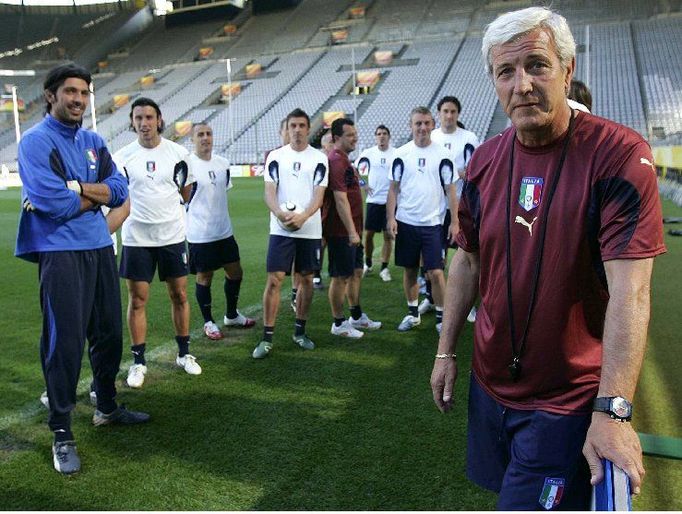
column 93, row 115
column 355, row 94
column 229, row 105
column 587, row 55
column 15, row 108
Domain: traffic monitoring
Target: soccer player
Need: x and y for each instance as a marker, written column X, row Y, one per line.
column 160, row 181
column 342, row 229
column 560, row 222
column 422, row 175
column 295, row 175
column 375, row 162
column 67, row 174
column 461, row 144
column 327, row 145
column 209, row 233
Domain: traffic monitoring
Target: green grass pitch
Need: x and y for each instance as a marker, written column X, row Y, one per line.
column 349, row 426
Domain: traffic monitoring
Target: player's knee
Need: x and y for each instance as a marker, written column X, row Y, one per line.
column 178, row 296
column 138, row 302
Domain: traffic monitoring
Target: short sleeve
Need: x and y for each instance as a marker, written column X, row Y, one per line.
column 271, row 172
column 626, row 197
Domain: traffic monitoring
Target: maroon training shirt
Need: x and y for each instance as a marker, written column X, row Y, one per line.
column 606, row 206
column 342, row 177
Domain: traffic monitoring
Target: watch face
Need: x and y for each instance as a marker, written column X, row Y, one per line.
column 621, row 407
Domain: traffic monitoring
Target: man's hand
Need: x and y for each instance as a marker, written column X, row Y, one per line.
column 617, row 442
column 392, row 228
column 28, row 206
column 443, row 379
column 452, row 230
column 294, row 220
column 354, row 239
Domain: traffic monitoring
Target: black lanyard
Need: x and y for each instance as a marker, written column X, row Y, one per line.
column 515, row 366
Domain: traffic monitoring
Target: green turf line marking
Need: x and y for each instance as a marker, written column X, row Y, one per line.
column 661, row 446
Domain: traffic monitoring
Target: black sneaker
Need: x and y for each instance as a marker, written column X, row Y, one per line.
column 65, row 457
column 121, row 416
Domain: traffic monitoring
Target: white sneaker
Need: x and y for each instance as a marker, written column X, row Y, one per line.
column 471, row 318
column 136, row 375
column 346, row 330
column 385, row 275
column 212, row 331
column 409, row 322
column 189, row 364
column 425, row 306
column 240, row 321
column 366, row 270
column 45, row 400
column 364, row 323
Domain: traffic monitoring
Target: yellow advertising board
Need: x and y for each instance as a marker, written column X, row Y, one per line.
column 182, row 128
column 119, row 101
column 339, row 36
column 147, row 80
column 205, row 53
column 328, row 117
column 227, row 90
column 383, row 57
column 253, row 69
column 7, row 105
column 229, row 29
column 357, row 12
column 368, row 78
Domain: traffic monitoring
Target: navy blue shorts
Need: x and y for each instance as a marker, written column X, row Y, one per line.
column 413, row 242
column 283, row 251
column 139, row 263
column 344, row 259
column 375, row 220
column 527, row 456
column 446, row 225
column 212, row 256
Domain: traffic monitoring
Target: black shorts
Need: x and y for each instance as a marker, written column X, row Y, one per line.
column 283, row 251
column 375, row 220
column 446, row 225
column 413, row 242
column 344, row 259
column 212, row 256
column 139, row 263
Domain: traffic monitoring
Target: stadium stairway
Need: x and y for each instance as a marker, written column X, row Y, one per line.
column 499, row 122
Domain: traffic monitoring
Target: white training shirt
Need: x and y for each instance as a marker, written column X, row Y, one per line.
column 461, row 145
column 376, row 164
column 296, row 174
column 208, row 218
column 157, row 216
column 424, row 175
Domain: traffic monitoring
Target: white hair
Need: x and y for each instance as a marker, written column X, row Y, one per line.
column 513, row 24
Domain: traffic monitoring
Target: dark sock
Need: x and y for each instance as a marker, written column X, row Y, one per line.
column 62, row 435
column 356, row 312
column 293, row 295
column 267, row 334
column 339, row 321
column 439, row 316
column 299, row 327
column 414, row 310
column 138, row 353
column 368, row 261
column 183, row 345
column 317, row 274
column 231, row 288
column 422, row 271
column 428, row 291
column 384, row 265
column 203, row 294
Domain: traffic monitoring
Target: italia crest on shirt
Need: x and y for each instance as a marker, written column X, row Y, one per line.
column 552, row 492
column 531, row 192
column 91, row 156
column 421, row 163
column 151, row 166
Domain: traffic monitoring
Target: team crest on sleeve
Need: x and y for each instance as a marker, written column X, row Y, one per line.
column 531, row 192
column 552, row 492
